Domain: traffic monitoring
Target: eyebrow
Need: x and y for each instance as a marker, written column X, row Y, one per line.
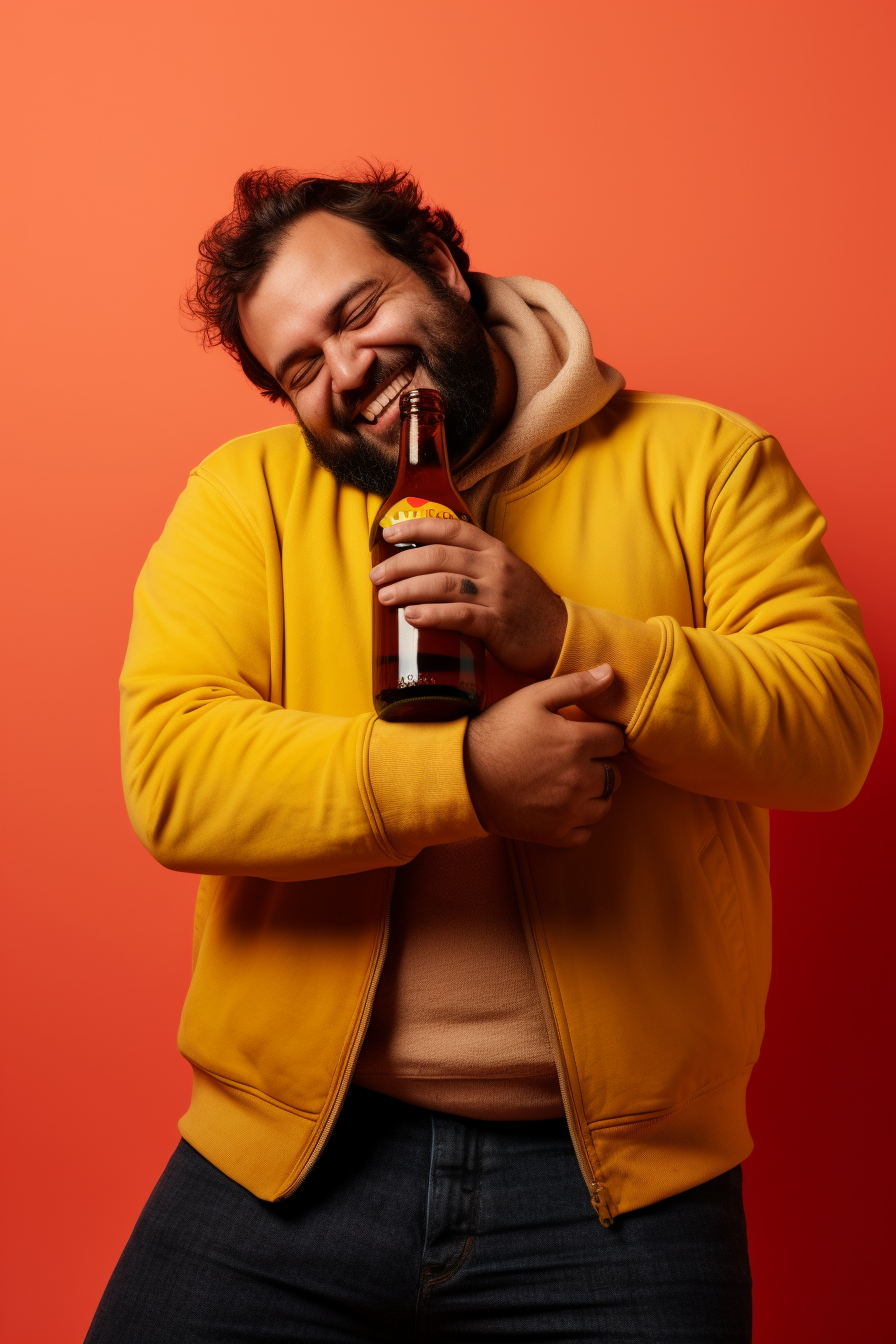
column 287, row 361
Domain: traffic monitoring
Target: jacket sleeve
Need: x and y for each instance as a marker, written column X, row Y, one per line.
column 219, row 778
column 775, row 700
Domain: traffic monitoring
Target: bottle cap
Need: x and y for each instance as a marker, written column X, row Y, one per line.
column 423, row 400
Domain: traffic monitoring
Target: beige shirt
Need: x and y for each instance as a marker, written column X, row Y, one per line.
column 457, row 1023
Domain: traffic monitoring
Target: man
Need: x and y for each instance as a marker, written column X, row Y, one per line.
column 520, row 1113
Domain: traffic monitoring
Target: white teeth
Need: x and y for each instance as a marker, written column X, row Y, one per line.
column 388, row 394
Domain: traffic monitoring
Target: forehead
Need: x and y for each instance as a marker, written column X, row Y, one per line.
column 318, row 257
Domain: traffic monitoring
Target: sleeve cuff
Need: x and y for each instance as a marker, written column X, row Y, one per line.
column 416, row 773
column 631, row 647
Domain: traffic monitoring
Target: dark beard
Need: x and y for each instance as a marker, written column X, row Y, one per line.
column 459, row 365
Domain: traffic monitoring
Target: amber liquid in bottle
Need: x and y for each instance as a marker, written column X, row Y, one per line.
column 421, row 676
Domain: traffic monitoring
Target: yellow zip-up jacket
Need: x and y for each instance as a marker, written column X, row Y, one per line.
column 252, row 755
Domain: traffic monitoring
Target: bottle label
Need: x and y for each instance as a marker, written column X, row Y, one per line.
column 411, row 507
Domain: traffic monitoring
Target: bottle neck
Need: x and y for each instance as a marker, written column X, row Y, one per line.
column 423, row 445
column 424, row 477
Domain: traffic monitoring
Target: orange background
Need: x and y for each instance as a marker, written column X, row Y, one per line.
column 709, row 182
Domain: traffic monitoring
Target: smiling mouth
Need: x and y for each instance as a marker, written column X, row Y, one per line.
column 384, row 399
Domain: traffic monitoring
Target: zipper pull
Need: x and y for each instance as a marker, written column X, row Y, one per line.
column 601, row 1206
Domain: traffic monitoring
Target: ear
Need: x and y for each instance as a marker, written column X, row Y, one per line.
column 445, row 267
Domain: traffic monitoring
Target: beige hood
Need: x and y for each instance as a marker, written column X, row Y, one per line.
column 560, row 384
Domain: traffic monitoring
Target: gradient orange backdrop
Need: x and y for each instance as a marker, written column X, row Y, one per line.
column 710, row 183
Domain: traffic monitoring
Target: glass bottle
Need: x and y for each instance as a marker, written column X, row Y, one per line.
column 421, row 676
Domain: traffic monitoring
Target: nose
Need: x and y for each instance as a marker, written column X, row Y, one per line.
column 348, row 363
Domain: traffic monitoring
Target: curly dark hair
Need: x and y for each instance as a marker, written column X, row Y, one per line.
column 236, row 250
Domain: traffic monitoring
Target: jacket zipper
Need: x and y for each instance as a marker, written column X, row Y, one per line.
column 598, row 1193
column 349, row 1066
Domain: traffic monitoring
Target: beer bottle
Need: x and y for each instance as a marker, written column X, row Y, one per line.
column 421, row 676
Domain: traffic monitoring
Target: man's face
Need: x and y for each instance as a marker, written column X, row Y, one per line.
column 345, row 328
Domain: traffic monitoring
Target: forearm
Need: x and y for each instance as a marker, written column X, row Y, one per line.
column 774, row 719
column 220, row 783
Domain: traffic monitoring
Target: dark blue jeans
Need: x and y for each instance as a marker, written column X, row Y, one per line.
column 419, row 1226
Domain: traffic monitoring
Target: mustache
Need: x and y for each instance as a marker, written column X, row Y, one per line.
column 381, row 372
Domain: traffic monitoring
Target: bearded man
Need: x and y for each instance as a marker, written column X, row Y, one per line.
column 470, row 1039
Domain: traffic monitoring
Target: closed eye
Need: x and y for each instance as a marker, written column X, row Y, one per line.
column 363, row 314
column 304, row 374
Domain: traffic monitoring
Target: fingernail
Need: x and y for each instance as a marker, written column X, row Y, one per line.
column 601, row 674
column 411, row 613
column 376, row 572
column 387, row 595
column 387, row 531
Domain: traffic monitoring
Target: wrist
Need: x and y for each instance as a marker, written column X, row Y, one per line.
column 552, row 635
column 559, row 622
column 472, row 744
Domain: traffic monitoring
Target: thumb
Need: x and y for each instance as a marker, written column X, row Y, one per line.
column 558, row 692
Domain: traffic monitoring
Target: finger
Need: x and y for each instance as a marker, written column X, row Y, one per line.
column 427, row 560
column 612, row 779
column 592, row 811
column 579, row 835
column 469, row 620
column 588, row 814
column 430, row 530
column 575, row 714
column 598, row 740
column 557, row 692
column 428, row 588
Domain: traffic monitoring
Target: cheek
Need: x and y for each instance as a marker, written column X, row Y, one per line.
column 401, row 322
column 314, row 406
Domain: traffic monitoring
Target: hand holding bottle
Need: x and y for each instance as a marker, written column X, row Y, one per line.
column 460, row 578
column 534, row 775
